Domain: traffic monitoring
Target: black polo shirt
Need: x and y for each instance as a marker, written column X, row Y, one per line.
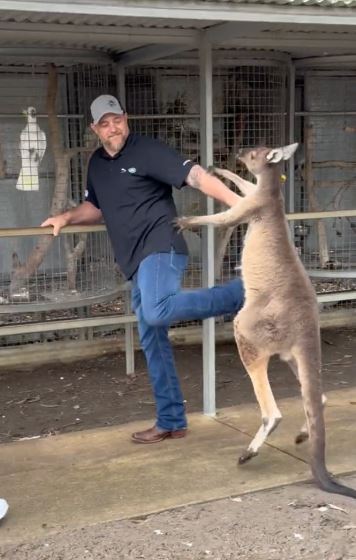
column 133, row 190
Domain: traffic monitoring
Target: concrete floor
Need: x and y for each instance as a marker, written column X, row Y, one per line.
column 93, row 476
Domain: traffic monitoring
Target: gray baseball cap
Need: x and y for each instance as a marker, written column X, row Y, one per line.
column 105, row 104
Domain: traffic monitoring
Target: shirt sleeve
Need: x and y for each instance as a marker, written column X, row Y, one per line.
column 89, row 195
column 165, row 164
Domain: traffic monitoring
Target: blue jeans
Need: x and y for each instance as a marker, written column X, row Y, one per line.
column 158, row 301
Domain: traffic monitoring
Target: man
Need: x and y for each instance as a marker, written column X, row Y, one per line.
column 129, row 185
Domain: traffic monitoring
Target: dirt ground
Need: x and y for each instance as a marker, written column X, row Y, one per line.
column 283, row 524
column 290, row 523
column 60, row 398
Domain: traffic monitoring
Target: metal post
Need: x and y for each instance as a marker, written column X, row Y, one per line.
column 206, row 154
column 291, row 110
column 291, row 136
column 129, row 336
column 121, row 86
column 129, row 328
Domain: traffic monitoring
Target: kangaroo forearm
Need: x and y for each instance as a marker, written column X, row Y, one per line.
column 245, row 187
column 236, row 215
column 216, row 189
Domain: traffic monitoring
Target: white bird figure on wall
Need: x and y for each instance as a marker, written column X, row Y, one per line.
column 32, row 147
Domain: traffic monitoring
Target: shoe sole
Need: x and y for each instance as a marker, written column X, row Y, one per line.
column 172, row 435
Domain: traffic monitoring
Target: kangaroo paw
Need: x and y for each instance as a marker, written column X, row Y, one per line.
column 181, row 223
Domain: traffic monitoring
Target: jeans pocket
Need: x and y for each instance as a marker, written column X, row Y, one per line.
column 178, row 261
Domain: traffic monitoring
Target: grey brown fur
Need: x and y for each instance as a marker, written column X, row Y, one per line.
column 280, row 313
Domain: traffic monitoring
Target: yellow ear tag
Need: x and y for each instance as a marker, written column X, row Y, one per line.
column 283, row 178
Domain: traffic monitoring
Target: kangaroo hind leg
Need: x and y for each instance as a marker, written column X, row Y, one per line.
column 256, row 364
column 303, row 433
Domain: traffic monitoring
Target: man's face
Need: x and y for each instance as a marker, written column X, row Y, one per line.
column 112, row 131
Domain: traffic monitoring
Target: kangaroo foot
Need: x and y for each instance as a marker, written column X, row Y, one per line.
column 301, row 437
column 247, row 456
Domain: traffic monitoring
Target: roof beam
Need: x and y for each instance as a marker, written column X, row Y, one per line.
column 291, row 41
column 111, row 34
column 226, row 32
column 38, row 56
column 326, row 61
column 207, row 11
column 150, row 53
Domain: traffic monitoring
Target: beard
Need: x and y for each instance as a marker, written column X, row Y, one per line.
column 115, row 143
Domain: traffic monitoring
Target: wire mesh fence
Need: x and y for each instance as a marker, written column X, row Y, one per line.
column 249, row 108
column 77, row 267
column 250, row 111
column 45, row 147
column 325, row 179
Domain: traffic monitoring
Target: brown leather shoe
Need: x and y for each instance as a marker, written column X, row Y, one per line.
column 154, row 435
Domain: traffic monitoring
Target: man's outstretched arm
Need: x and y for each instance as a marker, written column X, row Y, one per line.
column 84, row 214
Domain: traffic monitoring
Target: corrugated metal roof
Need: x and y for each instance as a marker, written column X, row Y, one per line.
column 200, row 3
column 322, row 3
column 123, row 34
column 91, row 31
column 47, row 17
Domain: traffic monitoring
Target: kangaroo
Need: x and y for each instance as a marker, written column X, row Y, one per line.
column 280, row 313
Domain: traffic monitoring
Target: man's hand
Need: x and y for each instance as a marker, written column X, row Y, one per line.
column 84, row 214
column 58, row 222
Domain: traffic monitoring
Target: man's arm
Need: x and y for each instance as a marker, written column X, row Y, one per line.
column 84, row 214
column 200, row 179
column 246, row 187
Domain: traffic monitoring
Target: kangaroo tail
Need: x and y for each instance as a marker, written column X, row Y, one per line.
column 310, row 380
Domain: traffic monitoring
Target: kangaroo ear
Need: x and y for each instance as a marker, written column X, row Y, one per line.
column 276, row 155
column 289, row 150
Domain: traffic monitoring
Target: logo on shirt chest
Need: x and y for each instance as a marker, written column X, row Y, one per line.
column 130, row 170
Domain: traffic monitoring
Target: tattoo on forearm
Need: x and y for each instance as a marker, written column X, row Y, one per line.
column 194, row 176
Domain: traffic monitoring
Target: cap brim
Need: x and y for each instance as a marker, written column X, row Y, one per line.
column 108, row 113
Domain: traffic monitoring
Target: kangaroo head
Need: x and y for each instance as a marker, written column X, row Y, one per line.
column 258, row 160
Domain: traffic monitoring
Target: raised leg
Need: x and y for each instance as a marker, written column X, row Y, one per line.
column 256, row 365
